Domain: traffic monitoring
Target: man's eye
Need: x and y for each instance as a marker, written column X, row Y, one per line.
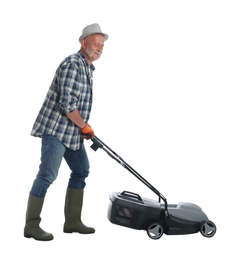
column 98, row 45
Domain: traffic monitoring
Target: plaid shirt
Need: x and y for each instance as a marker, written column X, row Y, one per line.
column 71, row 88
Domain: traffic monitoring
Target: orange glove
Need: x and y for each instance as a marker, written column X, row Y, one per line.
column 87, row 132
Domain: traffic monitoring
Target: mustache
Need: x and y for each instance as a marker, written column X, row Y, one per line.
column 98, row 52
column 91, row 53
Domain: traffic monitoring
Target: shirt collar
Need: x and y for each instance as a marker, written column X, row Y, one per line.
column 92, row 67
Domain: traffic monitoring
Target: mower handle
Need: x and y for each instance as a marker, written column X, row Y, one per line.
column 97, row 143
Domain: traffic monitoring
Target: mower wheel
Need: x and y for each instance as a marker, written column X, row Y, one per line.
column 155, row 231
column 208, row 228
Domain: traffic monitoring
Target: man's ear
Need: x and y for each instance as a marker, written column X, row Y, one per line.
column 83, row 43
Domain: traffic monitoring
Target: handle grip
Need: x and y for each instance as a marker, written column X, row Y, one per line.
column 132, row 195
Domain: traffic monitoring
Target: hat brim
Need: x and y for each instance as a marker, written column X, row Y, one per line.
column 87, row 34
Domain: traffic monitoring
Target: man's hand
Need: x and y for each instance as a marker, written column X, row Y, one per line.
column 87, row 132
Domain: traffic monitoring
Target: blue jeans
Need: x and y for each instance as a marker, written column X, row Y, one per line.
column 52, row 153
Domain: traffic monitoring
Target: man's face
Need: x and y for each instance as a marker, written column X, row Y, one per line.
column 92, row 47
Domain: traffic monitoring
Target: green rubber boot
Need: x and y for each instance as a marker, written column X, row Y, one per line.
column 32, row 228
column 72, row 212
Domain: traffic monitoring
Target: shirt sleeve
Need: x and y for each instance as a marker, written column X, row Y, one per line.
column 69, row 87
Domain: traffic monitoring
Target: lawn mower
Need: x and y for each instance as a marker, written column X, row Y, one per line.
column 157, row 217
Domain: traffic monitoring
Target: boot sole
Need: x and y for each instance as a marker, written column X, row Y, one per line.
column 30, row 236
column 75, row 231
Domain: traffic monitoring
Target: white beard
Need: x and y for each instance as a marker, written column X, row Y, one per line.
column 91, row 53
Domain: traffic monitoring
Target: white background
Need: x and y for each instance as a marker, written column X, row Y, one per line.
column 161, row 101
